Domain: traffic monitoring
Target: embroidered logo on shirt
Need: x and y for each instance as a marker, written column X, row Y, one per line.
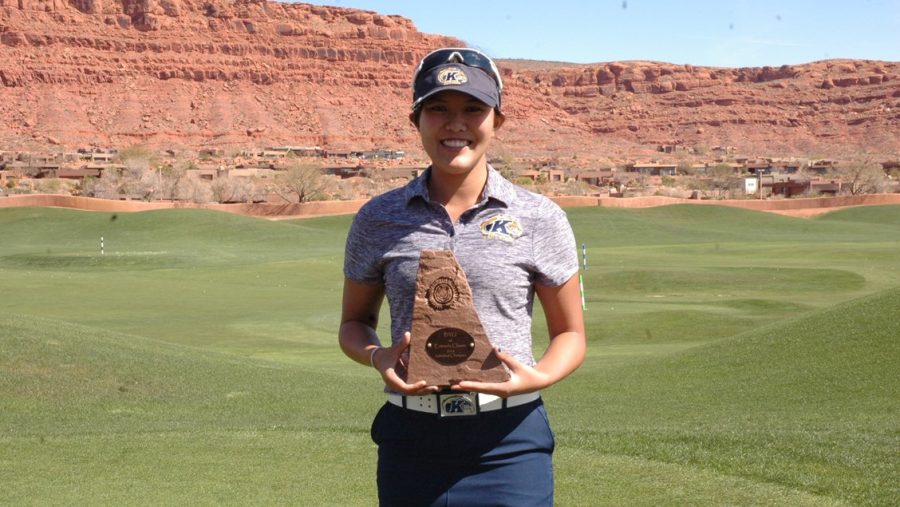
column 502, row 227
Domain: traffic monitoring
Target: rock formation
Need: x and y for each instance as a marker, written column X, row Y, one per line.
column 835, row 108
column 242, row 73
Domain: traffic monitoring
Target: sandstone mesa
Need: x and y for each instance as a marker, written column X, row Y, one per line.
column 246, row 73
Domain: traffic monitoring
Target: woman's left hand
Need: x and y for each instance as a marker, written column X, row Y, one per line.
column 565, row 323
column 522, row 379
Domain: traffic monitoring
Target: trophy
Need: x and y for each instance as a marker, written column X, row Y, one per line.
column 448, row 343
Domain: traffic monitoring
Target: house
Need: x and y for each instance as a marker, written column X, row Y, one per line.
column 79, row 173
column 549, row 175
column 607, row 177
column 102, row 168
column 102, row 156
column 788, row 187
column 338, row 154
column 820, row 167
column 41, row 172
column 305, row 151
column 597, row 178
column 44, row 159
column 759, row 167
column 15, row 168
column 653, row 168
column 787, row 166
column 393, row 173
column 554, row 175
column 825, row 187
column 203, row 174
column 298, row 151
column 379, row 154
column 344, row 171
column 251, row 172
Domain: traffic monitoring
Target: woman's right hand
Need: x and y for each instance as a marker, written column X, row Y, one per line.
column 391, row 362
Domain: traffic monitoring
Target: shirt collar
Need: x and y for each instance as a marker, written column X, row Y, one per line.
column 497, row 188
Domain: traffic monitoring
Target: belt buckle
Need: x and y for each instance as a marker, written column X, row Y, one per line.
column 458, row 404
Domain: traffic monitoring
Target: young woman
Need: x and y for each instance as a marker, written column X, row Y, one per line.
column 511, row 244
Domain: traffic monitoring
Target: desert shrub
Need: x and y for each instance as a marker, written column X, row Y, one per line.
column 302, row 182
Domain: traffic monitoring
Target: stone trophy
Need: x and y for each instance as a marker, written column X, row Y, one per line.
column 448, row 343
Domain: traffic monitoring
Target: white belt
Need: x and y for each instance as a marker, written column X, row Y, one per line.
column 430, row 403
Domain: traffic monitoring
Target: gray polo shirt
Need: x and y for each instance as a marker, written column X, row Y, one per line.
column 506, row 243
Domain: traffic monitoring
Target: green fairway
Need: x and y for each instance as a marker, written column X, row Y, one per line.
column 735, row 358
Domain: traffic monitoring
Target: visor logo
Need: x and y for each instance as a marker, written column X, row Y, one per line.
column 452, row 76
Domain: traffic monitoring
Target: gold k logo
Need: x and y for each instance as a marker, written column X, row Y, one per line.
column 452, row 76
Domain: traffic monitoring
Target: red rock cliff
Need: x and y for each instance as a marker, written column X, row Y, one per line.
column 248, row 72
column 206, row 72
column 837, row 107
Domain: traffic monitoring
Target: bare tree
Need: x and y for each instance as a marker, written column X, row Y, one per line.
column 169, row 179
column 305, row 181
column 120, row 182
column 861, row 177
column 134, row 179
column 227, row 188
column 197, row 190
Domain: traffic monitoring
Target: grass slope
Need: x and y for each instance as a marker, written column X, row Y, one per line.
column 809, row 405
column 735, row 358
column 91, row 416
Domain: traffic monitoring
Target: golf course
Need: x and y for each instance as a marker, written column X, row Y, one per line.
column 735, row 357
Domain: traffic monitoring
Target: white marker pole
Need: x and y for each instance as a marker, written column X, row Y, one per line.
column 580, row 277
column 581, row 288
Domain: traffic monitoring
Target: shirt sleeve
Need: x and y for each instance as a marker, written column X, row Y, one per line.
column 360, row 259
column 555, row 252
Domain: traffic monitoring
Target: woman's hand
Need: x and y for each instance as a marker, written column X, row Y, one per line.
column 522, row 379
column 358, row 340
column 565, row 323
column 392, row 363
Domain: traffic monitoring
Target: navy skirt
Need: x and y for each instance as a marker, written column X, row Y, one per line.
column 499, row 458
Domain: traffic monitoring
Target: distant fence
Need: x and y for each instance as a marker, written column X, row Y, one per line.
column 757, row 204
column 754, row 204
column 319, row 208
column 295, row 210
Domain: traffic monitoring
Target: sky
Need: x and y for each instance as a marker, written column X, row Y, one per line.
column 718, row 33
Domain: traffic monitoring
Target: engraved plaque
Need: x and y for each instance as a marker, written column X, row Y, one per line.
column 449, row 346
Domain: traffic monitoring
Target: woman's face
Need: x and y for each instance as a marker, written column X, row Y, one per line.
column 456, row 130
